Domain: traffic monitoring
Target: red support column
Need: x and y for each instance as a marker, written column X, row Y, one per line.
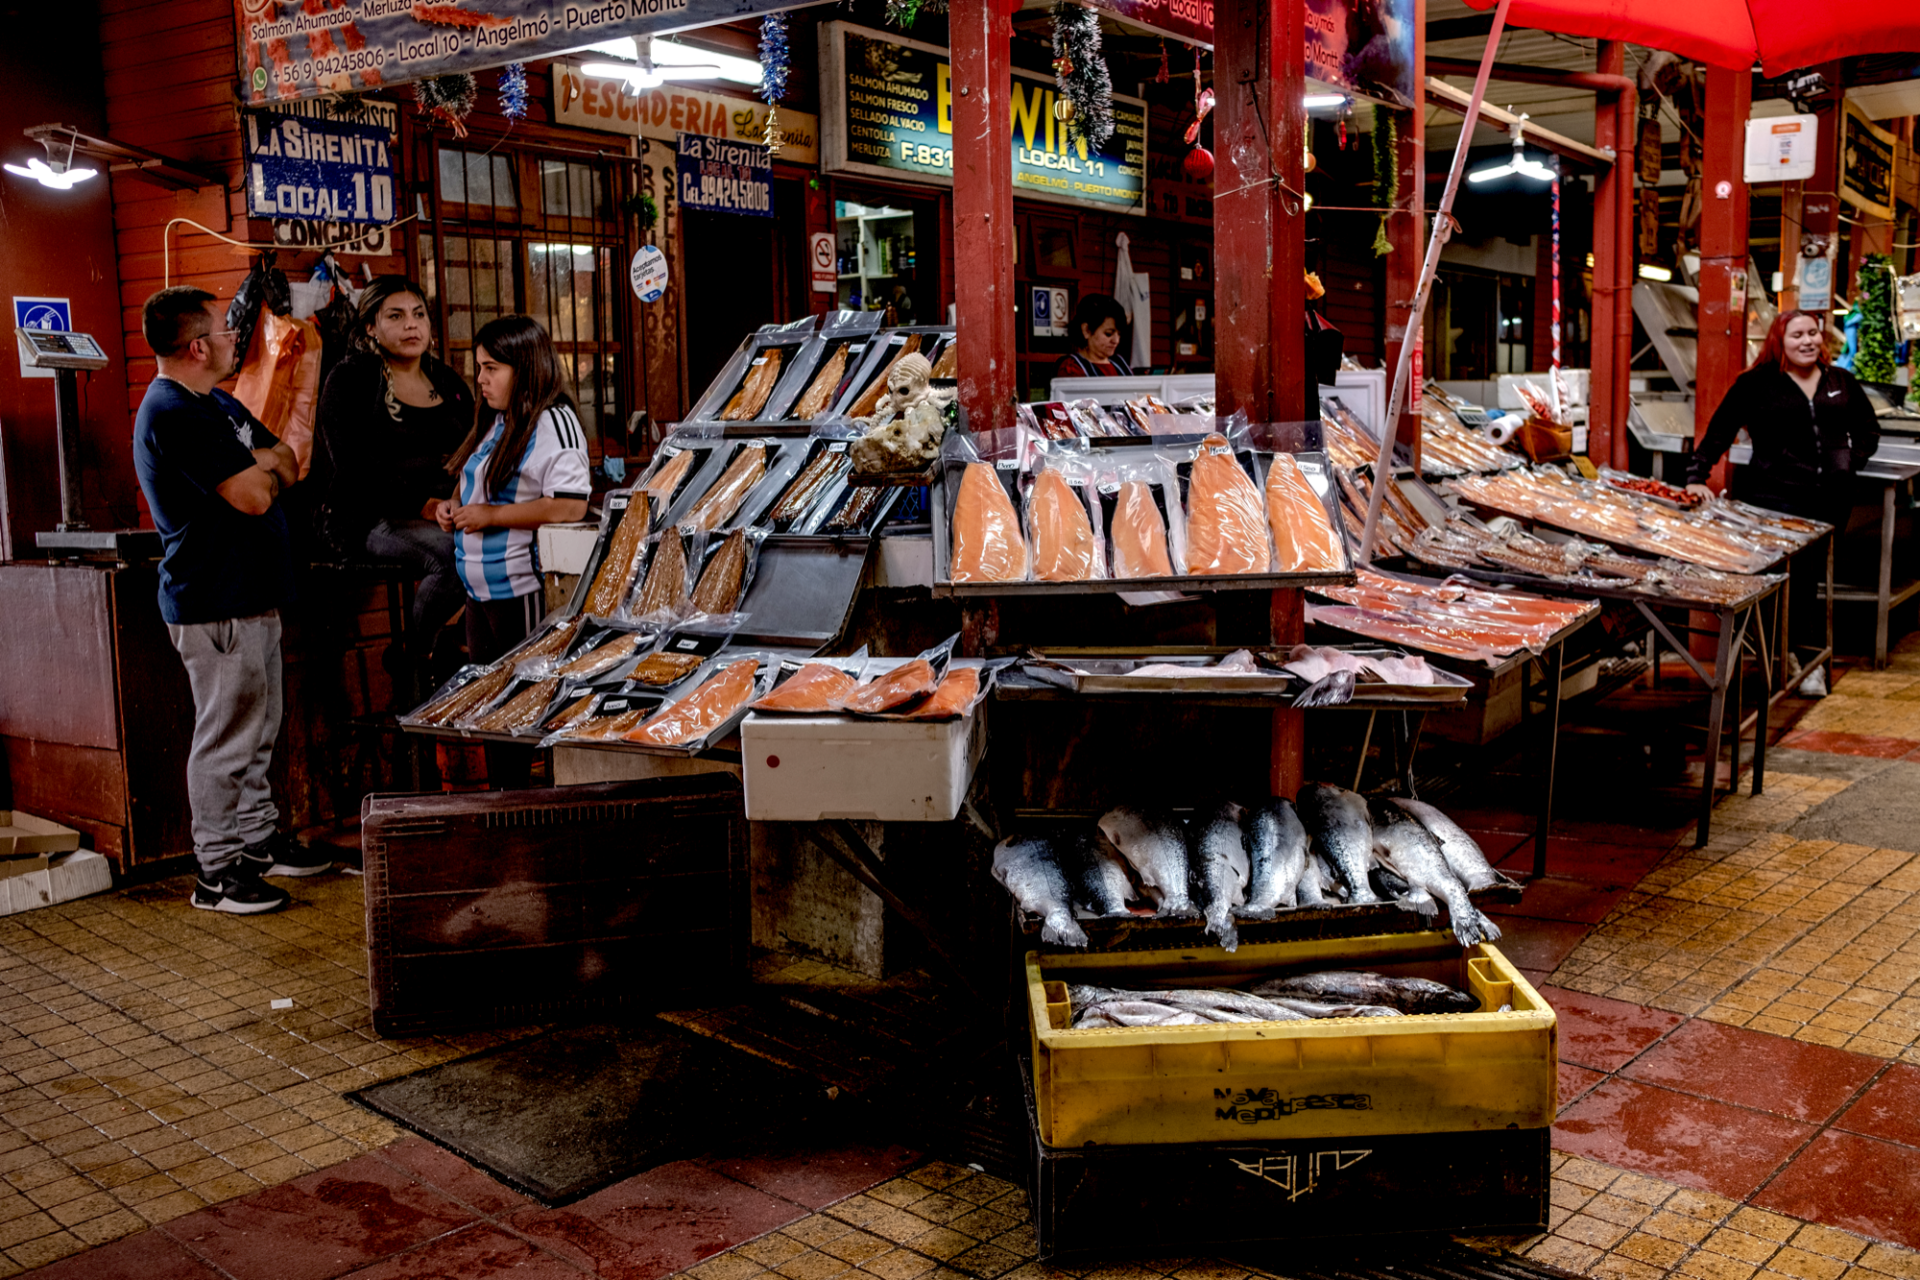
column 1723, row 245
column 1819, row 212
column 1408, row 231
column 984, row 302
column 1259, row 284
column 1612, row 269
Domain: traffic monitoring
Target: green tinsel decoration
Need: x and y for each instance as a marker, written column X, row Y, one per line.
column 1081, row 73
column 1386, row 173
column 1874, row 363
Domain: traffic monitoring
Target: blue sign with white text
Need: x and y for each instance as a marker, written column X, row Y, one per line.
column 724, row 176
column 314, row 170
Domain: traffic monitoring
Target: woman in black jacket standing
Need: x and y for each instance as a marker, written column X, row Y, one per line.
column 390, row 417
column 1811, row 427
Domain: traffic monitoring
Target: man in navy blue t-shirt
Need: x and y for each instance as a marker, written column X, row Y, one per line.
column 212, row 475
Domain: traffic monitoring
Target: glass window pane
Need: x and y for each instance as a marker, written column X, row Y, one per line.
column 476, row 178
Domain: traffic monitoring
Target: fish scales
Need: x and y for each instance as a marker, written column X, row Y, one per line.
column 1217, row 871
column 1462, row 851
column 1417, row 857
column 1029, row 867
column 1337, row 821
column 1276, row 856
column 1155, row 845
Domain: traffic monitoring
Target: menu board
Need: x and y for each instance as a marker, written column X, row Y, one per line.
column 887, row 110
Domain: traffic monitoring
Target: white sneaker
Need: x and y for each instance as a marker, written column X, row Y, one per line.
column 1815, row 685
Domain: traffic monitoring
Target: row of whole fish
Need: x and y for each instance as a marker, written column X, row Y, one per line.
column 1328, row 847
column 1331, row 994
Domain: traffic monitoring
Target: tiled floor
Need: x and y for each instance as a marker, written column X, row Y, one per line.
column 1740, row 1080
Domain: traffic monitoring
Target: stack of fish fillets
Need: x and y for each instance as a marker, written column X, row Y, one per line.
column 1327, row 848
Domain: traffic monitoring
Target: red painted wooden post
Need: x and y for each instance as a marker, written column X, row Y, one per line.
column 1722, row 343
column 1612, row 302
column 984, row 301
column 1259, row 284
column 1408, row 232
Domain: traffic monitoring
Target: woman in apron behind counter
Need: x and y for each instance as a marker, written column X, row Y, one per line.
column 1811, row 427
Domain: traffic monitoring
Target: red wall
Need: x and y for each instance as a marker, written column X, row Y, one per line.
column 57, row 244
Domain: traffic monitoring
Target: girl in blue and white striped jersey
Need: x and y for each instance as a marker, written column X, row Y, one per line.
column 523, row 465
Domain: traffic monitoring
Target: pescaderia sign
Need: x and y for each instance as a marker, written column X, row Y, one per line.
column 300, row 49
column 887, row 111
column 667, row 111
column 317, row 170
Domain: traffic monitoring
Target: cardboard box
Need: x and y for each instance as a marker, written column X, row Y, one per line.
column 808, row 768
column 27, row 842
column 47, row 879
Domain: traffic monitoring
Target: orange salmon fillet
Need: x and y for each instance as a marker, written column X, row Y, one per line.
column 987, row 546
column 1303, row 537
column 1139, row 534
column 1226, row 530
column 899, row 686
column 1062, row 533
column 816, row 687
column 959, row 687
column 702, row 711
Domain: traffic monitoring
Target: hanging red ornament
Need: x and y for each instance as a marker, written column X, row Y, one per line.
column 1160, row 77
column 1198, row 164
column 1343, row 135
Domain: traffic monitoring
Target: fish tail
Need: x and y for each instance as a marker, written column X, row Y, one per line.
column 1061, row 930
column 1220, row 925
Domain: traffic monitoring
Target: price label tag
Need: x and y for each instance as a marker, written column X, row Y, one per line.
column 838, row 446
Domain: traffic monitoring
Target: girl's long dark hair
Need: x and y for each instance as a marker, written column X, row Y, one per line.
column 538, row 385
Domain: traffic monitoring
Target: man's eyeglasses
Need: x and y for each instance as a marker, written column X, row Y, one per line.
column 219, row 333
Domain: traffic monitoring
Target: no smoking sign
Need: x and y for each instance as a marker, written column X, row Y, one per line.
column 821, row 261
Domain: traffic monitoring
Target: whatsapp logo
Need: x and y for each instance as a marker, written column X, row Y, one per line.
column 259, row 79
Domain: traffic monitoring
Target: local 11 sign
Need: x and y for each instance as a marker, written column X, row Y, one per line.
column 314, row 170
column 724, row 176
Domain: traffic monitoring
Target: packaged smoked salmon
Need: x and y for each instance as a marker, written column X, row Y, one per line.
column 811, row 688
column 1140, row 514
column 1062, row 510
column 1226, row 519
column 711, row 708
column 1305, row 539
column 981, row 474
column 764, row 376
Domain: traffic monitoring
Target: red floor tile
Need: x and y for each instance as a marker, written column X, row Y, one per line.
column 1854, row 1183
column 1753, row 1069
column 817, row 1178
column 1600, row 831
column 1536, row 944
column 1695, row 1142
column 150, row 1255
column 663, row 1221
column 1890, row 1110
column 1849, row 744
column 320, row 1226
column 1597, row 862
column 1579, row 901
column 1605, row 1034
column 439, row 1167
column 472, row 1253
column 1574, row 1083
column 1498, row 844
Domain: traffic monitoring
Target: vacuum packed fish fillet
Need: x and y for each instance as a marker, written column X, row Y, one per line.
column 615, row 580
column 827, row 467
column 475, row 693
column 1139, row 534
column 608, row 728
column 604, row 657
column 853, row 513
column 702, row 711
column 948, row 364
column 668, row 479
column 986, row 541
column 1304, row 539
column 752, row 395
column 571, row 712
column 819, row 393
column 958, row 688
column 719, row 588
column 870, row 398
column 659, row 670
column 666, row 585
column 545, row 645
column 719, row 503
column 814, row 689
column 522, row 710
column 1062, row 533
column 896, row 688
column 1226, row 530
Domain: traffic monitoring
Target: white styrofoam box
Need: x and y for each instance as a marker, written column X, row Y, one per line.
column 905, row 562
column 566, row 548
column 807, row 768
column 67, row 876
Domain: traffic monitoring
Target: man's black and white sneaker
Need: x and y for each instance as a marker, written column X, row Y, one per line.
column 238, row 891
column 281, row 855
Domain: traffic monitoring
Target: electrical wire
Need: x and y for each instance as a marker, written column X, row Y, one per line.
column 166, row 242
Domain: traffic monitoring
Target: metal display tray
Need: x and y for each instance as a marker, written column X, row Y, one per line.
column 803, row 589
column 1109, row 677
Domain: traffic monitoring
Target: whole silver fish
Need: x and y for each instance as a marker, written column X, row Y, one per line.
column 1337, row 821
column 1155, row 845
column 1462, row 852
column 1276, row 855
column 1029, row 867
column 1217, row 871
column 1316, row 888
column 1417, row 857
column 1322, row 1009
column 1097, row 878
column 1407, row 995
column 1210, row 1004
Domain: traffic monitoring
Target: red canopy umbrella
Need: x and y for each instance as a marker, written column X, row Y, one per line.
column 1781, row 35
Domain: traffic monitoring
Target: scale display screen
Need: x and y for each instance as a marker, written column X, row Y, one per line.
column 59, row 349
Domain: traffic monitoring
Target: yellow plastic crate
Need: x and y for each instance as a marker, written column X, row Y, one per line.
column 1324, row 1078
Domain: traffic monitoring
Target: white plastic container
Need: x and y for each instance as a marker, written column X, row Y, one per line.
column 806, row 768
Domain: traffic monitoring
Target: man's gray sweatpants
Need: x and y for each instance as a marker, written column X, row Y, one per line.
column 234, row 668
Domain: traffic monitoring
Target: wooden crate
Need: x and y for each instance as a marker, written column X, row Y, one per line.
column 508, row 907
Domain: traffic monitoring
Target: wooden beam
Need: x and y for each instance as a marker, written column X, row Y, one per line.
column 984, row 301
column 1448, row 98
